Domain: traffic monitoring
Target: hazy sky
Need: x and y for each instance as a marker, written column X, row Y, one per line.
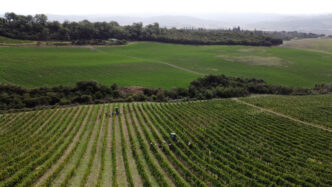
column 166, row 6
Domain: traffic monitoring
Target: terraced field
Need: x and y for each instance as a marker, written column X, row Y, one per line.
column 231, row 144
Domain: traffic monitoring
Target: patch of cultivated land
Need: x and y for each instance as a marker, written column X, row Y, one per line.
column 161, row 65
column 232, row 143
column 314, row 44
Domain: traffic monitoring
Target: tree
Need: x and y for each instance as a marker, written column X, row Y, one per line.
column 41, row 19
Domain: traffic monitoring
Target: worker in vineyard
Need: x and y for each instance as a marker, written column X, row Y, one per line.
column 189, row 144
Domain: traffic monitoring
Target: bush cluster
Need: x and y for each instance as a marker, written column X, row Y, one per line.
column 91, row 92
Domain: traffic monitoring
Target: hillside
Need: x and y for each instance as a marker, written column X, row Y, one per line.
column 5, row 40
column 318, row 44
column 230, row 144
column 319, row 24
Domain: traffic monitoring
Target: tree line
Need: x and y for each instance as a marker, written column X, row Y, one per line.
column 39, row 28
column 13, row 97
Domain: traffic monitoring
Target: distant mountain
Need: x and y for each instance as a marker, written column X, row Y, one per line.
column 164, row 21
column 321, row 24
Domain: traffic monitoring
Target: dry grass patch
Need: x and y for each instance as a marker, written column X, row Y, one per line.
column 252, row 50
column 256, row 60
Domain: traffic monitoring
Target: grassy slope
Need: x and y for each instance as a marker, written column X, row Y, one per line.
column 316, row 109
column 137, row 64
column 324, row 45
column 5, row 40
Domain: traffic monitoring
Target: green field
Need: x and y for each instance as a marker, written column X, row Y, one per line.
column 5, row 40
column 314, row 44
column 231, row 144
column 160, row 65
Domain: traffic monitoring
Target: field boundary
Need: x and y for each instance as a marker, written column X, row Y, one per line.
column 282, row 115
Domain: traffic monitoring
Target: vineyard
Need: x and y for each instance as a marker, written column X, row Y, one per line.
column 316, row 109
column 218, row 143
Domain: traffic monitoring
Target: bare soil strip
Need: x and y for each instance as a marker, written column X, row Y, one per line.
column 46, row 122
column 282, row 115
column 120, row 167
column 74, row 159
column 138, row 148
column 144, row 113
column 131, row 161
column 107, row 175
column 4, row 126
column 92, row 179
column 76, row 179
column 140, row 130
column 67, row 151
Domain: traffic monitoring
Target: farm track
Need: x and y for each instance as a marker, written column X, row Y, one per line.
column 282, row 115
column 231, row 143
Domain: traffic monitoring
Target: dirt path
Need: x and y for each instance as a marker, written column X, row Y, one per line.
column 68, row 150
column 282, row 115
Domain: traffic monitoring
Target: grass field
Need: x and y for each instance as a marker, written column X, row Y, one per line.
column 231, row 144
column 160, row 65
column 5, row 40
column 315, row 44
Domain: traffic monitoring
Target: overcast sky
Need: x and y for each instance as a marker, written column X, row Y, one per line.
column 65, row 7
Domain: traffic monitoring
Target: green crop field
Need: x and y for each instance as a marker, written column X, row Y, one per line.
column 314, row 44
column 161, row 65
column 231, row 143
